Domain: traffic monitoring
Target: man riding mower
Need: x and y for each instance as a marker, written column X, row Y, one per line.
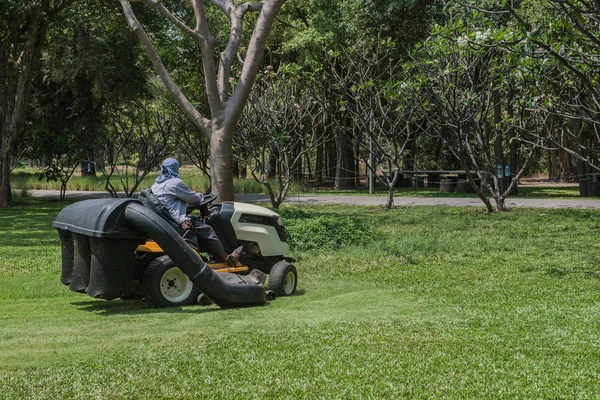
column 173, row 198
column 115, row 248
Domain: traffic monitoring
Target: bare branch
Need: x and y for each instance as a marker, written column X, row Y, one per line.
column 201, row 123
column 177, row 22
column 253, row 59
column 236, row 18
column 208, row 63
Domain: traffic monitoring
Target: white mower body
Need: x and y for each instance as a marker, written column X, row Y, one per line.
column 261, row 229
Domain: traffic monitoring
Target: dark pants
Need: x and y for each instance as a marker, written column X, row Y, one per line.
column 208, row 241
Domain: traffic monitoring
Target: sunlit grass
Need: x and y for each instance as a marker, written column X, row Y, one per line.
column 443, row 303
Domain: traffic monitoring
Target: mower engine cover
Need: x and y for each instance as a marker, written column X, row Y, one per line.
column 257, row 224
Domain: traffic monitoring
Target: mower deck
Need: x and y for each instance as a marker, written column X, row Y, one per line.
column 152, row 247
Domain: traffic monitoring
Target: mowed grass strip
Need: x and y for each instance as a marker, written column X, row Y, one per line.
column 441, row 302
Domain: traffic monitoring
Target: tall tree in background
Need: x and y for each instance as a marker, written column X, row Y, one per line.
column 469, row 97
column 565, row 34
column 226, row 93
column 90, row 61
column 324, row 37
column 23, row 28
column 373, row 94
column 281, row 124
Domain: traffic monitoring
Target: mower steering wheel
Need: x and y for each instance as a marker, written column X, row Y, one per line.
column 204, row 206
column 208, row 199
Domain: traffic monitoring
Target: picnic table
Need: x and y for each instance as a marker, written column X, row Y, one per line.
column 445, row 180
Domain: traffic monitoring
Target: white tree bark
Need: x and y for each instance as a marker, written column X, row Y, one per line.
column 20, row 53
column 226, row 105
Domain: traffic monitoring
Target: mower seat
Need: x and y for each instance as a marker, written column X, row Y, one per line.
column 149, row 200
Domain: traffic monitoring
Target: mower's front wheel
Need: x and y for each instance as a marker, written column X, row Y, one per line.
column 283, row 279
column 167, row 286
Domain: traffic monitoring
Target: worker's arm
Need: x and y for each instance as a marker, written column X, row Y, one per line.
column 183, row 192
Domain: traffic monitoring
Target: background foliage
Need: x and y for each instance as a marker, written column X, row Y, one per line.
column 346, row 88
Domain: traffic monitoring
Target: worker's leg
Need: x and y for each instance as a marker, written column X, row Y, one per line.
column 209, row 242
column 207, row 238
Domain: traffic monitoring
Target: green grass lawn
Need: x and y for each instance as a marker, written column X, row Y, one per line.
column 442, row 303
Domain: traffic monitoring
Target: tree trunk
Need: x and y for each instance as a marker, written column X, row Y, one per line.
column 408, row 160
column 390, row 196
column 319, row 165
column 331, row 159
column 564, row 160
column 389, row 204
column 500, row 204
column 221, row 164
column 340, row 142
column 514, row 144
column 559, row 163
column 356, row 158
column 587, row 183
column 552, row 163
column 307, row 165
column 343, row 165
column 16, row 81
column 273, row 157
column 91, row 114
column 437, row 153
column 498, row 141
column 582, row 171
column 99, row 160
column 236, row 169
column 296, row 154
column 351, row 163
column 5, row 190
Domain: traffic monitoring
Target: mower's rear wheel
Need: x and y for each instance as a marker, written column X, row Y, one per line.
column 167, row 286
column 283, row 279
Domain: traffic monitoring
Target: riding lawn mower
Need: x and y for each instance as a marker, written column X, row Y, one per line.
column 128, row 248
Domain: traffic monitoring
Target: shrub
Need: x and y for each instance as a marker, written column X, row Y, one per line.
column 325, row 231
column 20, row 194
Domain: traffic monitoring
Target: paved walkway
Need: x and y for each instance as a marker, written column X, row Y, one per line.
column 366, row 200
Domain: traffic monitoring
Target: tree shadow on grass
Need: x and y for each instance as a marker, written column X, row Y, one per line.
column 142, row 306
column 134, row 307
column 137, row 307
column 587, row 272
